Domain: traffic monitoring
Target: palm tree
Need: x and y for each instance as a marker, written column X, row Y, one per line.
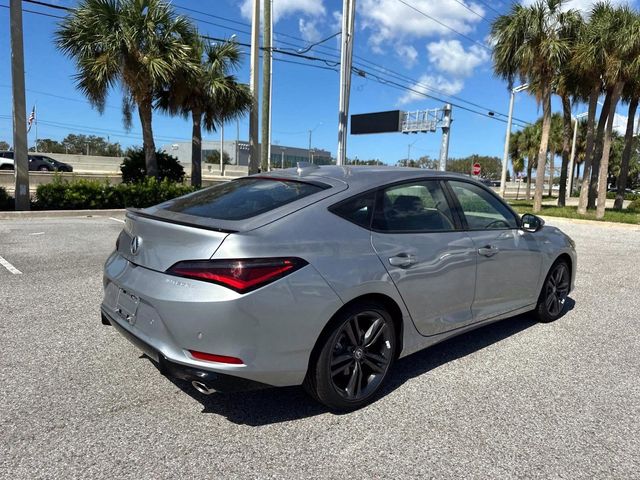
column 208, row 94
column 621, row 58
column 632, row 95
column 532, row 43
column 137, row 45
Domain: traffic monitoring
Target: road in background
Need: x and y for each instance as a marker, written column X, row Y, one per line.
column 514, row 399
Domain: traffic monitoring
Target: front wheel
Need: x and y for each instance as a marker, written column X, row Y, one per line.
column 354, row 360
column 554, row 293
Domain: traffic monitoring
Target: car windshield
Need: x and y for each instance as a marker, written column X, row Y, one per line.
column 243, row 198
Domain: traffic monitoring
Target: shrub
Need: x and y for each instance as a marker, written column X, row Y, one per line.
column 81, row 194
column 6, row 202
column 134, row 169
column 634, row 206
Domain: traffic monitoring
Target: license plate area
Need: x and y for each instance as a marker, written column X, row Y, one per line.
column 127, row 306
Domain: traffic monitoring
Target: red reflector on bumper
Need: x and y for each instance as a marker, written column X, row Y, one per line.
column 210, row 357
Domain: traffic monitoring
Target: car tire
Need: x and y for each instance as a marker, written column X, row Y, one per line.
column 43, row 169
column 352, row 360
column 555, row 289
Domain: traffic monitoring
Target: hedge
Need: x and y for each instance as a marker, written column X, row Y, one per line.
column 6, row 202
column 80, row 194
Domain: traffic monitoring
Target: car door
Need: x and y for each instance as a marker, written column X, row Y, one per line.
column 509, row 259
column 431, row 262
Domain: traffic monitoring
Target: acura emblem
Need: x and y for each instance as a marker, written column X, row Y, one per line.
column 135, row 245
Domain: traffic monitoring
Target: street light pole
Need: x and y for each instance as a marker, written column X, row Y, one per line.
column 346, row 57
column 20, row 156
column 254, row 160
column 507, row 139
column 311, row 130
column 573, row 152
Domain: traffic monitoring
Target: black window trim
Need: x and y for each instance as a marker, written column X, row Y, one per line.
column 460, row 211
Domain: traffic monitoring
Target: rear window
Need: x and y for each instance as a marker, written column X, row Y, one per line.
column 244, row 198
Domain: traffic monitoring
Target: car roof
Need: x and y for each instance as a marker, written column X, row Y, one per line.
column 360, row 178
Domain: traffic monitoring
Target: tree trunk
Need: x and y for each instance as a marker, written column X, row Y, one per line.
column 578, row 165
column 151, row 163
column 626, row 155
column 588, row 159
column 552, row 161
column 598, row 150
column 606, row 149
column 542, row 152
column 196, row 149
column 529, row 172
column 567, row 134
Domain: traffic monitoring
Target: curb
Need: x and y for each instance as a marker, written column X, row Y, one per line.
column 60, row 214
column 549, row 219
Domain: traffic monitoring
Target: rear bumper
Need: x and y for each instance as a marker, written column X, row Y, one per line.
column 217, row 381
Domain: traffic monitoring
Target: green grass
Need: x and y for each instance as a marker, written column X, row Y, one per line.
column 523, row 206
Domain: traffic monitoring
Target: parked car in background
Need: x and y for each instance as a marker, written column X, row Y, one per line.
column 324, row 276
column 57, row 165
column 6, row 160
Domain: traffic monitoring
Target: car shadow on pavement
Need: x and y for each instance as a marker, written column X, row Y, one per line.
column 275, row 405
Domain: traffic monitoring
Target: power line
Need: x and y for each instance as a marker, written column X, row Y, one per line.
column 472, row 10
column 486, row 4
column 330, row 64
column 444, row 25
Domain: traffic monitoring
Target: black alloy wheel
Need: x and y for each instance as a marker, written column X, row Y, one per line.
column 554, row 293
column 355, row 359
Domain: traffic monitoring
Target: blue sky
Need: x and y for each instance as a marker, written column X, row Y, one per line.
column 429, row 56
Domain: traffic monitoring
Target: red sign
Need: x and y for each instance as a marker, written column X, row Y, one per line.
column 476, row 169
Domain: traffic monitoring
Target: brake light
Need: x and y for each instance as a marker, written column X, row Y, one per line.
column 210, row 357
column 241, row 275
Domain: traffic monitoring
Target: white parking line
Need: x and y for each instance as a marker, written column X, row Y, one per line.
column 9, row 267
column 37, row 233
column 116, row 219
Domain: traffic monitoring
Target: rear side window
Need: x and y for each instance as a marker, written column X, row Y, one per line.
column 358, row 210
column 243, row 198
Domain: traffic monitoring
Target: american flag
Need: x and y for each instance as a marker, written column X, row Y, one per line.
column 32, row 118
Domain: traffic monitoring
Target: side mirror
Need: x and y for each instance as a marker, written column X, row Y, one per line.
column 531, row 223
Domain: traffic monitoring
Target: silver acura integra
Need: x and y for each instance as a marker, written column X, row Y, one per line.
column 323, row 276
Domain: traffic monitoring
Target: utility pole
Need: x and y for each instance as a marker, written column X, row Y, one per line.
column 222, row 149
column 573, row 157
column 346, row 57
column 266, row 86
column 444, row 146
column 254, row 161
column 20, row 156
column 238, row 142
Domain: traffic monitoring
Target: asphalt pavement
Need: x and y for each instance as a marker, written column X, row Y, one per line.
column 515, row 399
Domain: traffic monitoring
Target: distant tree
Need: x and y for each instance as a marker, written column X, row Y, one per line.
column 214, row 157
column 134, row 167
column 4, row 145
column 47, row 145
column 422, row 162
column 491, row 167
column 77, row 144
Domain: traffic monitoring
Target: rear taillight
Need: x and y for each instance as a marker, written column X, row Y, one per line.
column 241, row 275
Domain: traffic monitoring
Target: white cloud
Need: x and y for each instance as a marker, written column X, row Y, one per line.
column 449, row 56
column 283, row 8
column 392, row 20
column 309, row 30
column 444, row 85
column 408, row 54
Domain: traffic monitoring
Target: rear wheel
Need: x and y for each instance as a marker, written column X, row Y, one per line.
column 354, row 360
column 554, row 292
column 43, row 169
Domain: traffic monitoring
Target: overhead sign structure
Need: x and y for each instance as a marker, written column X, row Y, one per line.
column 378, row 122
column 476, row 169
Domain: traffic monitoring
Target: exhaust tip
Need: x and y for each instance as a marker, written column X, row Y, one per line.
column 202, row 387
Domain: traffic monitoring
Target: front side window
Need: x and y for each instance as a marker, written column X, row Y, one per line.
column 482, row 210
column 243, row 198
column 413, row 207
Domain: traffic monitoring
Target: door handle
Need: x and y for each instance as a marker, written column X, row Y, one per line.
column 402, row 260
column 488, row 250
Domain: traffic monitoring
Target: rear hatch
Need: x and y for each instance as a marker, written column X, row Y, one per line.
column 192, row 227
